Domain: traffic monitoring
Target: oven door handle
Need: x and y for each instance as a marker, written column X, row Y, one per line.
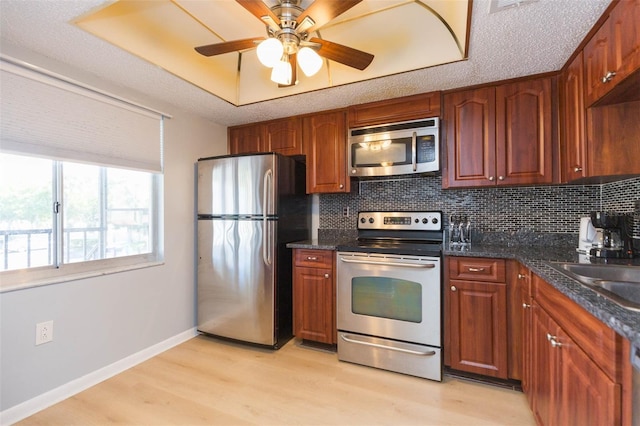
column 391, row 348
column 371, row 262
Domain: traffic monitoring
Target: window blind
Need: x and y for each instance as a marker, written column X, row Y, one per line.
column 47, row 115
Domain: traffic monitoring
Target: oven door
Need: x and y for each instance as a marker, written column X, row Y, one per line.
column 389, row 296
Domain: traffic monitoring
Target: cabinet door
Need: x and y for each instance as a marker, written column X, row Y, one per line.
column 284, row 136
column 524, row 133
column 586, row 395
column 625, row 32
column 478, row 327
column 313, row 304
column 524, row 282
column 246, row 139
column 469, row 118
column 544, row 367
column 573, row 113
column 596, row 62
column 325, row 141
column 613, row 53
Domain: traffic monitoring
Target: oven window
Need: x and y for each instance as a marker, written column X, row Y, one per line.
column 387, row 298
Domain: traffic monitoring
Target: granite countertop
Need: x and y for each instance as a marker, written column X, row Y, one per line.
column 537, row 258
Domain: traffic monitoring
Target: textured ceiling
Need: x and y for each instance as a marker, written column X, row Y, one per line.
column 533, row 38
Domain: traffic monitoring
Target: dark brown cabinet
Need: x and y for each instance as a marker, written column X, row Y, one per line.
column 613, row 53
column 499, row 135
column 284, row 136
column 524, row 283
column 246, row 139
column 574, row 143
column 577, row 364
column 314, row 296
column 325, row 142
column 424, row 105
column 476, row 316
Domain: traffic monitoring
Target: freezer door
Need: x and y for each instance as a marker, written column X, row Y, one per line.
column 236, row 280
column 231, row 186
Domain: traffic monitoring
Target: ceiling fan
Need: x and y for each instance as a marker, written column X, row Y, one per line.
column 288, row 44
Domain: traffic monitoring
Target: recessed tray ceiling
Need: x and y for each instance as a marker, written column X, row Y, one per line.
column 402, row 35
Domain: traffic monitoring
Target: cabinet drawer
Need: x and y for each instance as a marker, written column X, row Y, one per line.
column 477, row 269
column 314, row 258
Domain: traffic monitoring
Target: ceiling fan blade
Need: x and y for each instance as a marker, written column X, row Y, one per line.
column 294, row 71
column 323, row 11
column 345, row 55
column 227, row 46
column 259, row 9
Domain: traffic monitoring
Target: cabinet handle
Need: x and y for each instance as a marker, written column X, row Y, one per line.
column 491, row 178
column 472, row 269
column 555, row 343
column 522, row 276
column 326, row 275
column 341, row 186
column 453, row 288
column 550, row 336
column 500, row 177
column 608, row 76
column 312, row 258
column 526, row 305
column 577, row 169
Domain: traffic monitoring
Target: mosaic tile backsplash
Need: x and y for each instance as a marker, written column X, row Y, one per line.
column 547, row 211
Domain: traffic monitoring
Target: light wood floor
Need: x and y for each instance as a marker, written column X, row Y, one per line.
column 208, row 382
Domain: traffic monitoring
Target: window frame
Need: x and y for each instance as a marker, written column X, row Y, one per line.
column 58, row 271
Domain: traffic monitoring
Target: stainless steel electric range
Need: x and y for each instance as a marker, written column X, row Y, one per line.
column 389, row 293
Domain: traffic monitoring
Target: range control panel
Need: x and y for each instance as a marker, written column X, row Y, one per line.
column 409, row 221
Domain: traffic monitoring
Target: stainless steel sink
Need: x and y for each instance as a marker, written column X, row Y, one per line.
column 619, row 283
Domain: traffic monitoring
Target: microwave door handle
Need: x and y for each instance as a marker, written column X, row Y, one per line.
column 414, row 159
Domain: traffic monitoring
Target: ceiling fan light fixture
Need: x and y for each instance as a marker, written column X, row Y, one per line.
column 281, row 72
column 310, row 62
column 270, row 51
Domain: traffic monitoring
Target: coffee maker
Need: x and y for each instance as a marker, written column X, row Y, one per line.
column 617, row 231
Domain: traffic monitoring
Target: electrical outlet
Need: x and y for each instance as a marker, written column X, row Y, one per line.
column 44, row 332
column 345, row 212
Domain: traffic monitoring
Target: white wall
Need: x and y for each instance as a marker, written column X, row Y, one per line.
column 102, row 320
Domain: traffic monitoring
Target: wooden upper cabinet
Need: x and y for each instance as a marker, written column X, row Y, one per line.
column 325, row 142
column 613, row 53
column 499, row 135
column 284, row 136
column 574, row 149
column 524, row 137
column 246, row 139
column 469, row 134
column 414, row 107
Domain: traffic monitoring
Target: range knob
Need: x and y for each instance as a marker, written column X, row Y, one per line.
column 434, row 220
column 370, row 220
column 363, row 220
column 425, row 220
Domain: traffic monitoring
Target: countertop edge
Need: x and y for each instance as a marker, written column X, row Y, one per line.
column 538, row 259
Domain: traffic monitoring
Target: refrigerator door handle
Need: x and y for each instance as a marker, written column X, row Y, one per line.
column 267, row 191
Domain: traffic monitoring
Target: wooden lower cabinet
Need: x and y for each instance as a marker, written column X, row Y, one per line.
column 578, row 366
column 478, row 313
column 476, row 333
column 314, row 296
column 568, row 387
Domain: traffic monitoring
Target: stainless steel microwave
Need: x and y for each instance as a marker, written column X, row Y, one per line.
column 395, row 149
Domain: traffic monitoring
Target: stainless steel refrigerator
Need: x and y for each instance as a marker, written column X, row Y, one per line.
column 249, row 207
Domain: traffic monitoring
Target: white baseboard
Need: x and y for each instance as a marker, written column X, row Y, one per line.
column 47, row 399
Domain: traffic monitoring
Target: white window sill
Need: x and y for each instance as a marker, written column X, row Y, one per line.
column 17, row 280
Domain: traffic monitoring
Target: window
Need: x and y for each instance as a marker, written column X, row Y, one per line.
column 81, row 179
column 55, row 214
